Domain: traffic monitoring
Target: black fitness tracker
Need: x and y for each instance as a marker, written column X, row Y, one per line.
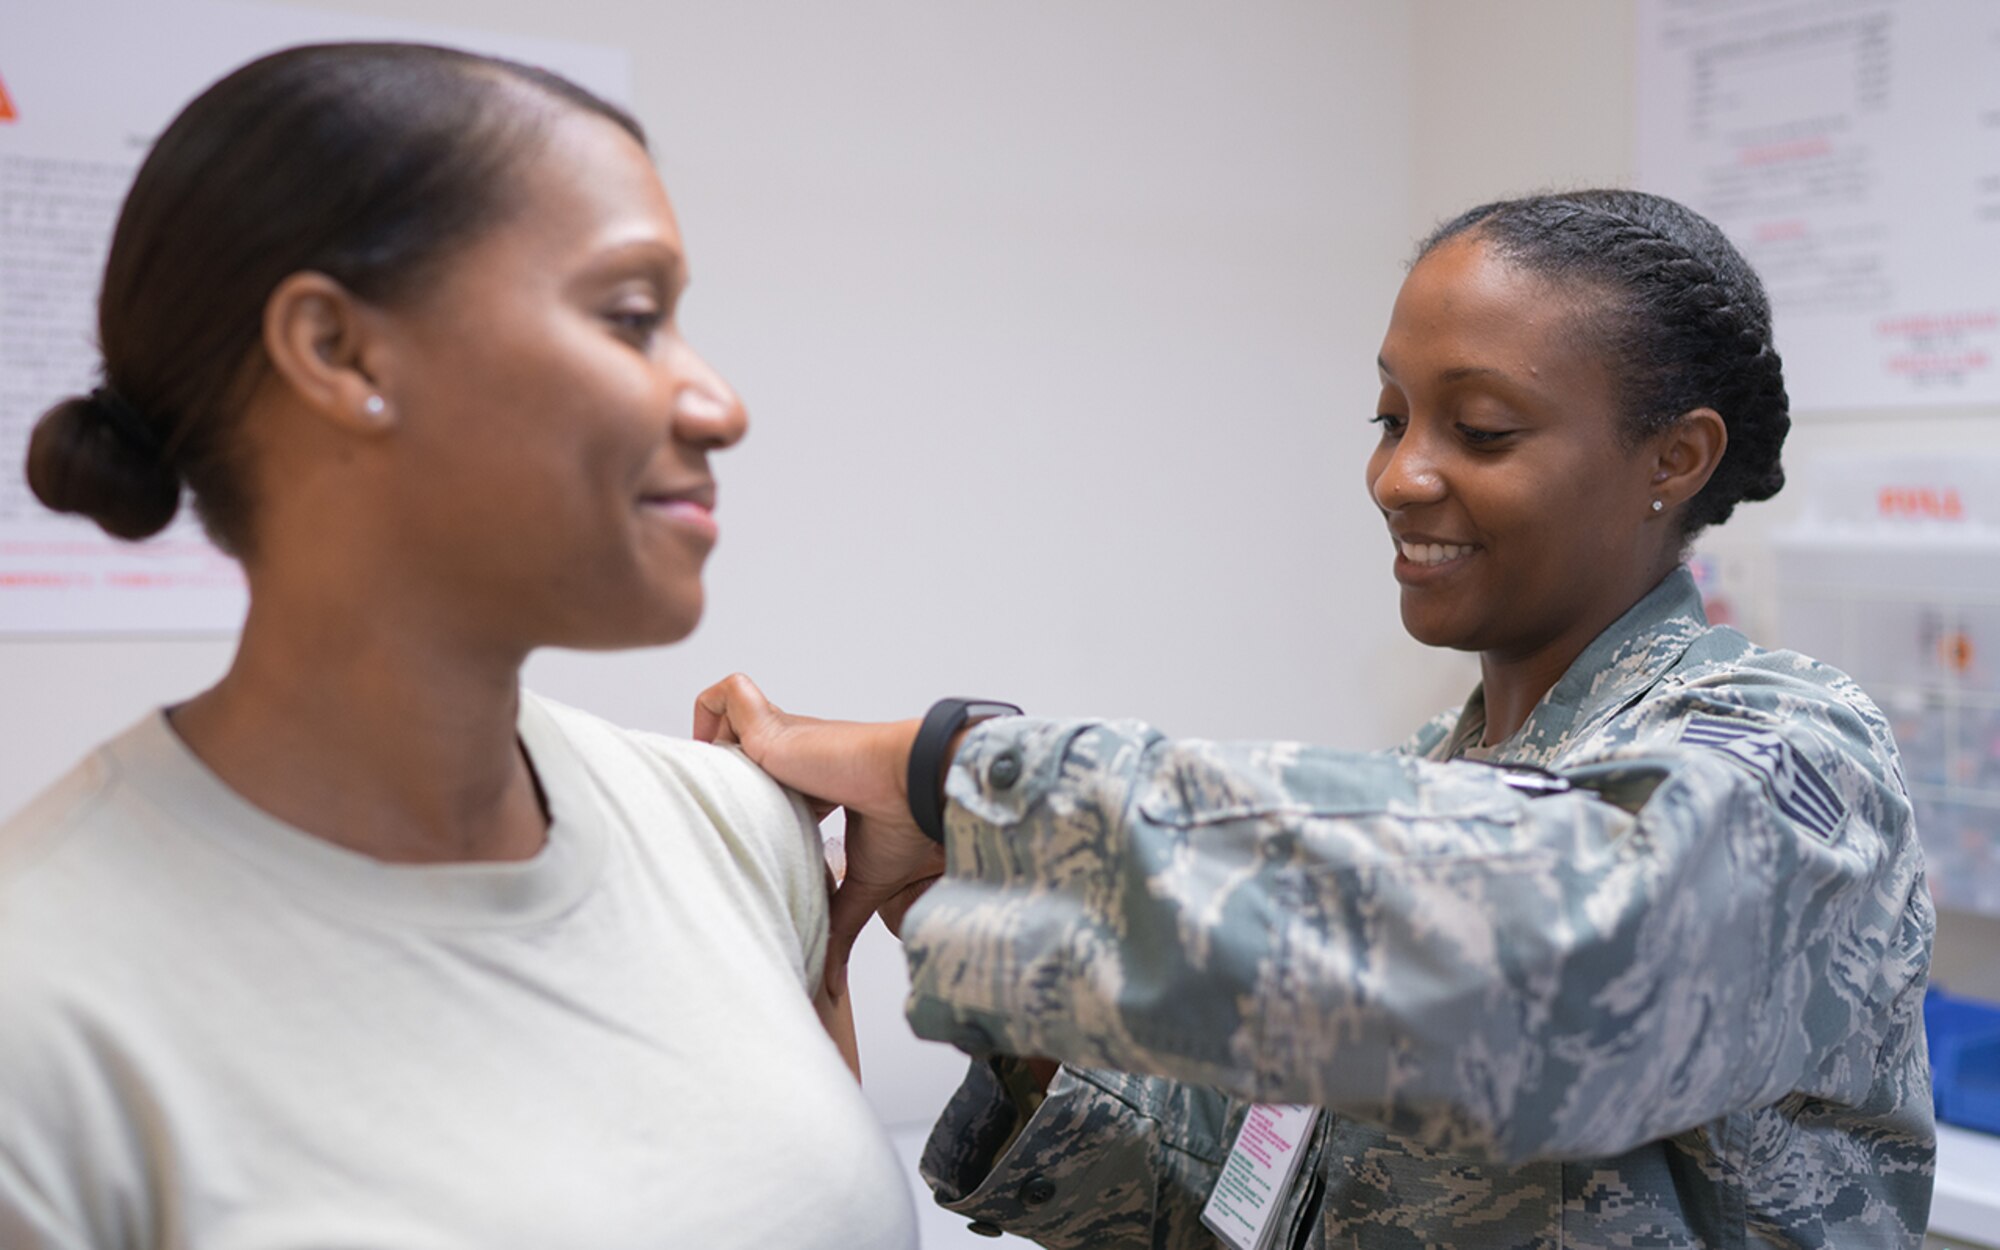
column 926, row 779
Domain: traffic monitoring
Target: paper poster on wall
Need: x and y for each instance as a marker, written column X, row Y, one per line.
column 69, row 147
column 1851, row 148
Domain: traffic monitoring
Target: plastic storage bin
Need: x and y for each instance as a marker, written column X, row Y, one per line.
column 1965, row 1059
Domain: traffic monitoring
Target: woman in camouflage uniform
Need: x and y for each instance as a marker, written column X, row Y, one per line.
column 1629, row 951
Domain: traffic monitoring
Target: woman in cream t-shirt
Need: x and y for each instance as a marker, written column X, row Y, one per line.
column 364, row 946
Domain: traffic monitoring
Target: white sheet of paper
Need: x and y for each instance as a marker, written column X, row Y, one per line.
column 1851, row 149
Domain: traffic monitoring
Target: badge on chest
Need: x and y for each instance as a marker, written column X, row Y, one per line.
column 1258, row 1174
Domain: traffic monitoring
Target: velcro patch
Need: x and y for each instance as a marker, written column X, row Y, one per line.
column 1795, row 785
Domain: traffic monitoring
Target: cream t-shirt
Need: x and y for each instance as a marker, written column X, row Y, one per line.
column 218, row 1031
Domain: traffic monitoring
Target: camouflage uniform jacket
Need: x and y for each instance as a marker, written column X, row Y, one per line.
column 1676, row 1004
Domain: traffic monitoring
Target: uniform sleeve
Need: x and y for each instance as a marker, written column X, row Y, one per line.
column 1701, row 927
column 1108, row 1161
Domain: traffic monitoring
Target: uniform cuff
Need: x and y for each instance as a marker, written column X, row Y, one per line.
column 1080, row 1174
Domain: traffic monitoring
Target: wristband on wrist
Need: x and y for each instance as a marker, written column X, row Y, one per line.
column 926, row 778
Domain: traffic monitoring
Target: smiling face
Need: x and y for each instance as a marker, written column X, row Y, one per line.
column 553, row 427
column 1522, row 521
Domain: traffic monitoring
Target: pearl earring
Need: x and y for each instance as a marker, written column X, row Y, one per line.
column 1658, row 506
column 375, row 405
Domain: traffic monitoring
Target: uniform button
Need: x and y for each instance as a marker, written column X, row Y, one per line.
column 984, row 1229
column 1004, row 771
column 1037, row 1190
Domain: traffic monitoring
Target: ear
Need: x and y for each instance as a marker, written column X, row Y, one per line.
column 322, row 341
column 1685, row 456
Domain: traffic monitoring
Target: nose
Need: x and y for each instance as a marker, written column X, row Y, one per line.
column 1405, row 473
column 707, row 411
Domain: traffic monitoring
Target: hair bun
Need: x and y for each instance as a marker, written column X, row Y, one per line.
column 85, row 457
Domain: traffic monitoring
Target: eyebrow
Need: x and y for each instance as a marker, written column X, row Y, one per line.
column 666, row 261
column 1457, row 373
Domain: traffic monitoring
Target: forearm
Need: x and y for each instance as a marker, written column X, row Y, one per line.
column 1415, row 944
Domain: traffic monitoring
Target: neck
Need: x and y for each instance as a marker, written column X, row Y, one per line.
column 375, row 735
column 1513, row 686
column 1515, row 682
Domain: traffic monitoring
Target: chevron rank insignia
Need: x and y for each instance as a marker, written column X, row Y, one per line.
column 1795, row 785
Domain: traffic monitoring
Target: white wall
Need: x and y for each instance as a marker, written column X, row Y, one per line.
column 1056, row 322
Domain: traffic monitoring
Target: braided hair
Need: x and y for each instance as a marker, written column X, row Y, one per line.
column 1684, row 321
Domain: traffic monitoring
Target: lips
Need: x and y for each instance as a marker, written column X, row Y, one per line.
column 700, row 494
column 691, row 507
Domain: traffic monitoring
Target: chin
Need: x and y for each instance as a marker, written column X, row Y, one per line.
column 666, row 608
column 1422, row 627
column 650, row 625
column 673, row 624
column 1436, row 633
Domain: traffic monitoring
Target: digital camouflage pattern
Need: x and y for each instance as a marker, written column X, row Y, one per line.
column 1678, row 1004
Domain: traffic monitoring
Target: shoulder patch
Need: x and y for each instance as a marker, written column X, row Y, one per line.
column 1794, row 784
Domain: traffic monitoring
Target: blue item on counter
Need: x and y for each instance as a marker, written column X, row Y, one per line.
column 1965, row 1059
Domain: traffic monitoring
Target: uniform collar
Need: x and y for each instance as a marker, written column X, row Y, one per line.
column 1619, row 664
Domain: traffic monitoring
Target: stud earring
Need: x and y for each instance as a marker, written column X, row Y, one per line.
column 1658, row 506
column 375, row 405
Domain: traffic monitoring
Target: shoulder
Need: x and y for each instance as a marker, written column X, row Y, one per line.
column 108, row 875
column 746, row 824
column 1812, row 740
column 1723, row 673
column 64, row 851
column 736, row 794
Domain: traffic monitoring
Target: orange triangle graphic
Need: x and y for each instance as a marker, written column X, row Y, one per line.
column 7, row 113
